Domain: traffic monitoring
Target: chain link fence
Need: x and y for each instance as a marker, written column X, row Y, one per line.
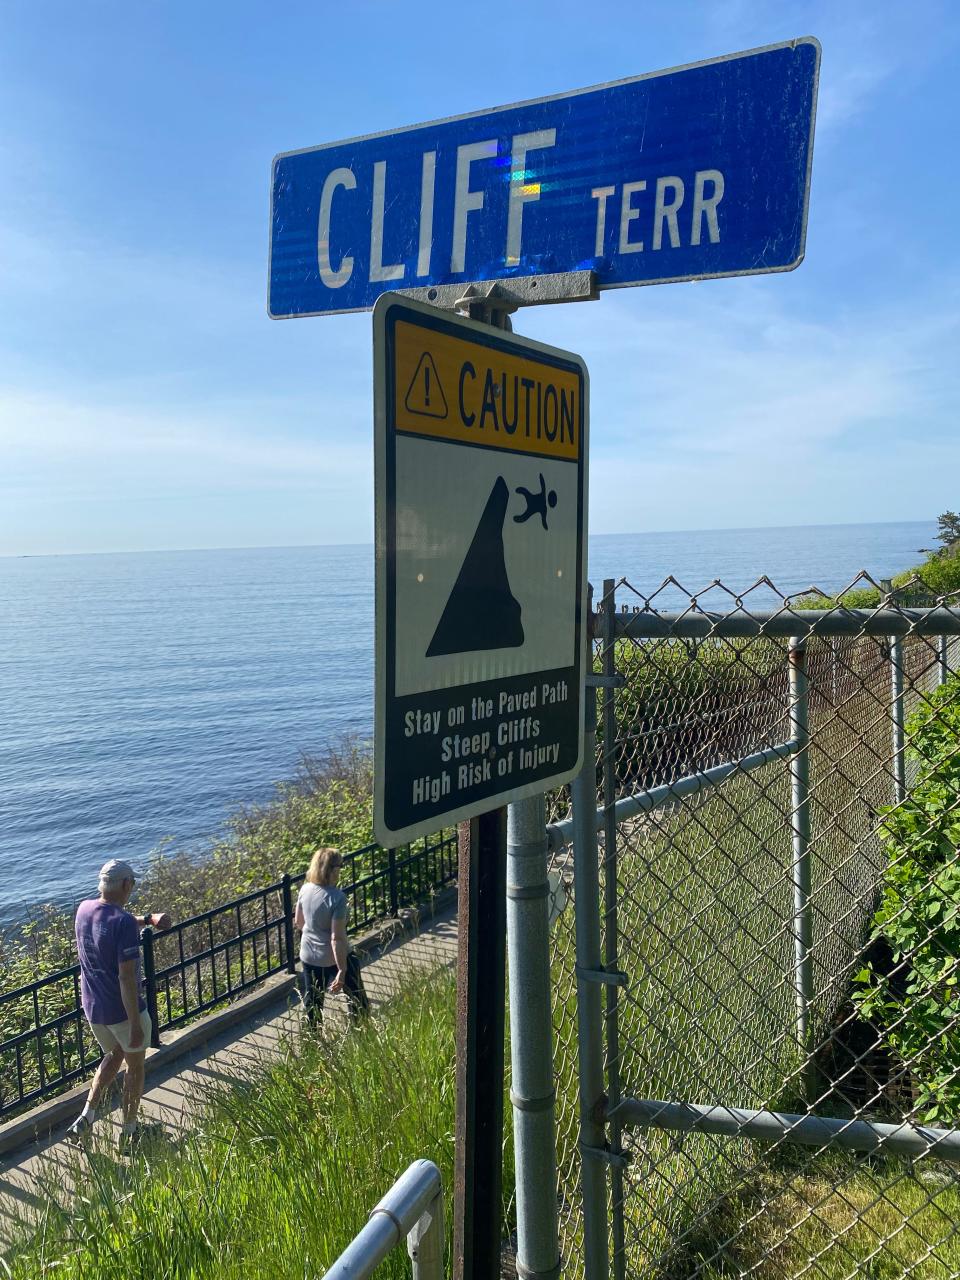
column 766, row 1080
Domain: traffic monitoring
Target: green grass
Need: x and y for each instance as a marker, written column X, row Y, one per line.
column 283, row 1167
column 833, row 1220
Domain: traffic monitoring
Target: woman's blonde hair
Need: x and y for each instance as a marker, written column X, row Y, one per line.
column 323, row 862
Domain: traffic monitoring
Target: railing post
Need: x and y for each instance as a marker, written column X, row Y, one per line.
column 287, row 891
column 150, row 985
column 392, row 882
column 586, row 872
column 943, row 667
column 800, row 826
column 413, row 1207
column 532, row 1090
column 425, row 1242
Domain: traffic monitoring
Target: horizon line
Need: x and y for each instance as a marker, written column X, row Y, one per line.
column 309, row 546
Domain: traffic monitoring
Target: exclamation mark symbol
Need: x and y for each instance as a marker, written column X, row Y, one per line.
column 425, row 392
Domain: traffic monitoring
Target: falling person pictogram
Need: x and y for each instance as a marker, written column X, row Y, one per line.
column 482, row 611
column 536, row 502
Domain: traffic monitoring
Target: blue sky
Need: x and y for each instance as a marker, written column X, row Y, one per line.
column 146, row 400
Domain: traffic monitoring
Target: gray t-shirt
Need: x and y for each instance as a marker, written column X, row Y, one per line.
column 321, row 905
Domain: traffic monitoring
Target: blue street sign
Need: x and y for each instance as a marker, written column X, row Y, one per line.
column 679, row 175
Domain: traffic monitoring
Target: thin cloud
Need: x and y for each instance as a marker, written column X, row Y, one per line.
column 49, row 431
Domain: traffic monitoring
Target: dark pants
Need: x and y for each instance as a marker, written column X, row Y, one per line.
column 316, row 978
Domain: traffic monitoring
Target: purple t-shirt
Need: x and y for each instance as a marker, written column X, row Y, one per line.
column 106, row 935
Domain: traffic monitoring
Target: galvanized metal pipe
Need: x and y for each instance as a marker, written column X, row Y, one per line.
column 586, row 872
column 800, row 828
column 896, row 717
column 611, row 932
column 611, row 954
column 559, row 834
column 895, row 647
column 806, row 1130
column 413, row 1204
column 786, row 623
column 532, row 1090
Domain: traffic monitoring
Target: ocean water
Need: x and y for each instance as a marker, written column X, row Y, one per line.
column 144, row 696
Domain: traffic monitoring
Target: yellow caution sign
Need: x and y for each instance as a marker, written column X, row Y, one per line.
column 453, row 388
column 481, row 514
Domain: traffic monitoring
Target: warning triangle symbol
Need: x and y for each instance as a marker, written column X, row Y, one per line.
column 425, row 394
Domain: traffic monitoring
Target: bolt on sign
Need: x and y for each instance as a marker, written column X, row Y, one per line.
column 481, row 449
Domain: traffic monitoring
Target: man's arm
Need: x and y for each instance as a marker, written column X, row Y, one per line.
column 157, row 919
column 130, row 996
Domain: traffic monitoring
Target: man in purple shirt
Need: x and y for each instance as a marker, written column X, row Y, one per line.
column 111, row 991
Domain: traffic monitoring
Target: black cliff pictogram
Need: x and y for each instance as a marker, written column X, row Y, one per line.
column 482, row 612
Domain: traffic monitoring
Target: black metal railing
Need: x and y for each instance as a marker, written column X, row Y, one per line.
column 203, row 961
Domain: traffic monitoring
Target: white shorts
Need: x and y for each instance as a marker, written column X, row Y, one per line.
column 113, row 1035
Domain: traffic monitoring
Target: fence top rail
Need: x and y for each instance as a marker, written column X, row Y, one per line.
column 296, row 879
column 646, row 624
column 47, row 980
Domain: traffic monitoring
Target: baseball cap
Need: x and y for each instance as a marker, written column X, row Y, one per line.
column 115, row 872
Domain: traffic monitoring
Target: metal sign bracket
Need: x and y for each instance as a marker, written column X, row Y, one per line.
column 480, row 299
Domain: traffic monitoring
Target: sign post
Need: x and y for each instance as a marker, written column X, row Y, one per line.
column 481, row 991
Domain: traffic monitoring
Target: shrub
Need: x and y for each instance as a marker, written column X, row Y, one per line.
column 329, row 801
column 938, row 575
column 917, row 1003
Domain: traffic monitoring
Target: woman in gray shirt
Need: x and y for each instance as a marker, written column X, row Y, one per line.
column 321, row 916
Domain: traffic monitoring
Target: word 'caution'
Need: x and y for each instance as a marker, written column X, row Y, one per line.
column 458, row 390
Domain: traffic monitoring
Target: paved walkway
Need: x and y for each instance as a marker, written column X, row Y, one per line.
column 34, row 1174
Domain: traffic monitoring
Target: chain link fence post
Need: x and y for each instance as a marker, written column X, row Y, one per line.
column 532, row 1091
column 590, row 976
column 897, row 760
column 800, row 829
column 611, row 923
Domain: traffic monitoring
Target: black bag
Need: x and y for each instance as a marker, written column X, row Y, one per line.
column 353, row 986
